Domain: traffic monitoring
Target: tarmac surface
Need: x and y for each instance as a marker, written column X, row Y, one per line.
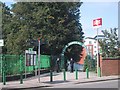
column 58, row 80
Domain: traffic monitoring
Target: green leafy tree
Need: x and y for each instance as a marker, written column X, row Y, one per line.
column 6, row 20
column 56, row 22
column 110, row 44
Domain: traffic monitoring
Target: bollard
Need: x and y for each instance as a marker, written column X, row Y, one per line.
column 21, row 78
column 64, row 74
column 99, row 72
column 4, row 72
column 4, row 78
column 51, row 76
column 76, row 74
column 1, row 67
column 87, row 73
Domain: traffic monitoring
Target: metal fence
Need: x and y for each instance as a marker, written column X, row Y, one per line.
column 14, row 64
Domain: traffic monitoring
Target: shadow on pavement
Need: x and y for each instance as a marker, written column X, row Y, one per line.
column 33, row 88
column 56, row 82
column 48, row 74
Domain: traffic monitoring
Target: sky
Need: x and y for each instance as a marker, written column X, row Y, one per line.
column 108, row 11
column 105, row 9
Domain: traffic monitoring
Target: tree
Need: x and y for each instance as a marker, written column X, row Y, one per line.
column 6, row 20
column 57, row 23
column 110, row 44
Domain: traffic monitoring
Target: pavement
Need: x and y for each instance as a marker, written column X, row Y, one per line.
column 58, row 80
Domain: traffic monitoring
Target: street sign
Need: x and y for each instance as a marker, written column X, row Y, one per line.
column 97, row 22
column 1, row 42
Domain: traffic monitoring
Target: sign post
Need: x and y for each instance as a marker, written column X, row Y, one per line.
column 97, row 23
column 39, row 61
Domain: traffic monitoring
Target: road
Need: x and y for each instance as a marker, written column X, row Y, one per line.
column 101, row 84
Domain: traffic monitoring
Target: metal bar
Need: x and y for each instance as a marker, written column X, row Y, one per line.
column 99, row 72
column 21, row 78
column 87, row 73
column 64, row 74
column 3, row 73
column 1, row 65
column 76, row 74
column 36, row 64
column 4, row 78
column 51, row 76
column 39, row 62
column 97, row 52
column 25, row 64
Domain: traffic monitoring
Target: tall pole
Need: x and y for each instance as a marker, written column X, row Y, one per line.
column 25, row 63
column 1, row 27
column 97, row 52
column 97, row 23
column 39, row 61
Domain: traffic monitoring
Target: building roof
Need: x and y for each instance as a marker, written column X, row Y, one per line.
column 99, row 37
column 89, row 38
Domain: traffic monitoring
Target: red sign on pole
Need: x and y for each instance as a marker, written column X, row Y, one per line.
column 97, row 22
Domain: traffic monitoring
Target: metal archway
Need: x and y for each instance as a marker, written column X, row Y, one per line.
column 64, row 49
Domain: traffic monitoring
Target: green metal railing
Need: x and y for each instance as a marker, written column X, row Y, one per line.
column 10, row 64
column 15, row 64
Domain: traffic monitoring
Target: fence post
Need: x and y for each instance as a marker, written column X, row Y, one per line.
column 1, row 67
column 3, row 72
column 51, row 76
column 4, row 78
column 76, row 74
column 87, row 73
column 21, row 76
column 64, row 74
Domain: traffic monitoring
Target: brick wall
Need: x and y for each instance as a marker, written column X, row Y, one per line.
column 110, row 67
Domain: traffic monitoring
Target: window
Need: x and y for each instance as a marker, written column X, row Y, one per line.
column 90, row 42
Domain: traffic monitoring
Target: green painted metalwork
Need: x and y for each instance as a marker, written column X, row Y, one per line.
column 51, row 76
column 3, row 71
column 14, row 65
column 76, row 74
column 30, row 49
column 99, row 72
column 1, row 56
column 64, row 49
column 4, row 77
column 87, row 73
column 44, row 61
column 64, row 74
column 21, row 70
